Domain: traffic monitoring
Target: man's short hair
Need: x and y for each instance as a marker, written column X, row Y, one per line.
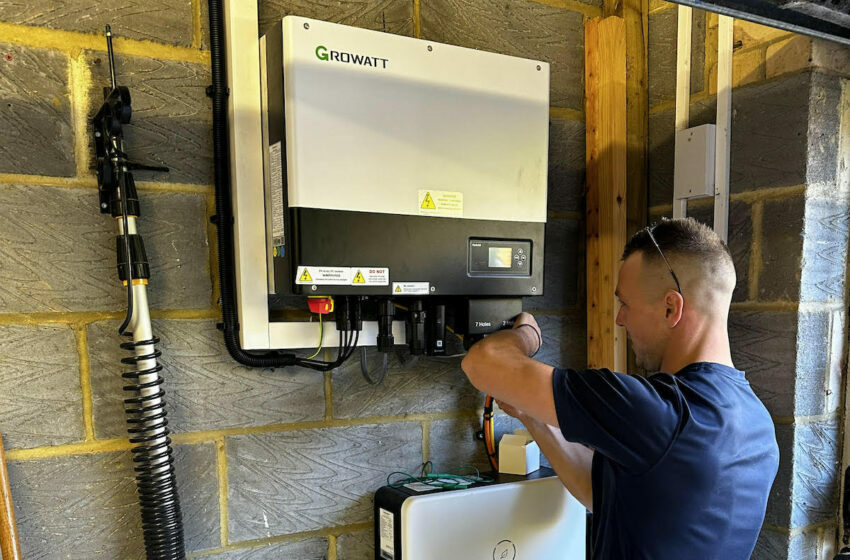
column 687, row 243
column 684, row 236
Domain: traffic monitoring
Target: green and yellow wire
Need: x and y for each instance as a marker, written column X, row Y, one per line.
column 321, row 338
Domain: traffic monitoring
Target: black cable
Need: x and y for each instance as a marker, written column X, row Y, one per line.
column 315, row 364
column 224, row 221
column 354, row 346
column 487, row 432
column 224, row 215
column 147, row 423
column 345, row 350
column 122, row 193
column 364, row 368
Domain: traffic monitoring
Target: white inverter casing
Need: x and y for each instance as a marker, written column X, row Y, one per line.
column 411, row 115
column 534, row 519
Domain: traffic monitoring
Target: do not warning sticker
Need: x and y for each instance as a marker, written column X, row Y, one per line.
column 371, row 277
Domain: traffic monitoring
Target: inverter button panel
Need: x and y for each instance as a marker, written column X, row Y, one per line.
column 499, row 257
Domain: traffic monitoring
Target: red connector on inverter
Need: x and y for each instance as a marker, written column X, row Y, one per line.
column 321, row 305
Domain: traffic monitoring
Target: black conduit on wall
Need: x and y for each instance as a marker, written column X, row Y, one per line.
column 224, row 215
column 224, row 222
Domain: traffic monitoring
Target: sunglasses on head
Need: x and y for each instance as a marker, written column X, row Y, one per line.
column 660, row 252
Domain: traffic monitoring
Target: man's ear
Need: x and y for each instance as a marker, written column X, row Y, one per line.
column 675, row 306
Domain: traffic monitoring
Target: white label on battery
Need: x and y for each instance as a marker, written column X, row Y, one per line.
column 421, row 487
column 411, row 288
column 365, row 276
column 276, row 185
column 387, row 535
column 440, row 203
column 324, row 275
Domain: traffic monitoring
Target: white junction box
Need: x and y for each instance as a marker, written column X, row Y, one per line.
column 693, row 175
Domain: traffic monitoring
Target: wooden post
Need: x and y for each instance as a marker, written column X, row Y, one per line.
column 635, row 13
column 605, row 111
column 683, row 87
column 10, row 547
column 636, row 16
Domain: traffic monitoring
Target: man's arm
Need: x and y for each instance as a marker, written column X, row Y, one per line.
column 499, row 366
column 571, row 461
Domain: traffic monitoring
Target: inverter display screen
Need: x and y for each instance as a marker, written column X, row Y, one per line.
column 500, row 257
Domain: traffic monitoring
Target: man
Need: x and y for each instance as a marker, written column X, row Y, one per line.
column 677, row 465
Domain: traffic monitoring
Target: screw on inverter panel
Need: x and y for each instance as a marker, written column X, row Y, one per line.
column 430, row 48
column 306, row 26
column 539, row 67
column 433, row 288
column 533, row 289
column 314, row 288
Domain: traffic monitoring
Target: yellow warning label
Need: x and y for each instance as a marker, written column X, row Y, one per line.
column 412, row 288
column 358, row 278
column 305, row 277
column 428, row 203
column 440, row 203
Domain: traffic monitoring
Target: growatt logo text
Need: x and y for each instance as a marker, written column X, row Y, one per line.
column 323, row 53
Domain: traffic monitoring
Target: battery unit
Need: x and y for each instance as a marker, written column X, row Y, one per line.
column 398, row 166
column 516, row 518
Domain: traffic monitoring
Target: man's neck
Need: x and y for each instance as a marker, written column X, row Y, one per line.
column 705, row 342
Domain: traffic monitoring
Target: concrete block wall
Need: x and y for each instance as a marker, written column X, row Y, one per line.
column 270, row 464
column 788, row 235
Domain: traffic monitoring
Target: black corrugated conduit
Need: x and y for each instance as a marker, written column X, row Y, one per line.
column 223, row 220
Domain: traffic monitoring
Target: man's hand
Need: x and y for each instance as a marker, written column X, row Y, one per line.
column 509, row 410
column 527, row 420
column 526, row 326
column 571, row 461
column 526, row 318
column 500, row 366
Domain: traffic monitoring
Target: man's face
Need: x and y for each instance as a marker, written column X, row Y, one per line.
column 641, row 314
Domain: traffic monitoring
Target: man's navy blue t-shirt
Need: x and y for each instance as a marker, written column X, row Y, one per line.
column 683, row 463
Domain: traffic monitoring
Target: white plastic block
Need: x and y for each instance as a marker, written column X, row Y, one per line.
column 518, row 454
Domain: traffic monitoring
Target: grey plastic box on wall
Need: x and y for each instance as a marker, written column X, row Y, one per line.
column 694, row 169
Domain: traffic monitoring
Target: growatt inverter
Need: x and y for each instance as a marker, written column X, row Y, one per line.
column 397, row 166
column 386, row 172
